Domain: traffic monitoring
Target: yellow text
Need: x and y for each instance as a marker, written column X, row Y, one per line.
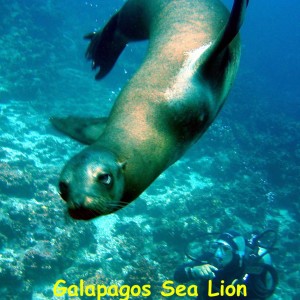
column 99, row 290
column 180, row 290
column 229, row 290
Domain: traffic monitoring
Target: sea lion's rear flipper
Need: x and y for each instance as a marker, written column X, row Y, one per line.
column 84, row 130
column 105, row 47
column 229, row 32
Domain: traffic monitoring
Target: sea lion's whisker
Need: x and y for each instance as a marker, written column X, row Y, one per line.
column 119, row 204
column 116, row 206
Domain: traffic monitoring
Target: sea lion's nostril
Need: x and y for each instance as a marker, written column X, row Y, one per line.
column 64, row 190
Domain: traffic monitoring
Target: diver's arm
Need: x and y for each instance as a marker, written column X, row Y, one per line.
column 183, row 273
column 192, row 271
column 205, row 271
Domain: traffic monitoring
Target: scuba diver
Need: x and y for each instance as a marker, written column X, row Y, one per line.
column 231, row 260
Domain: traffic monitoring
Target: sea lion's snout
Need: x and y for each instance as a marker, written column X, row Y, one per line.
column 79, row 207
column 64, row 190
column 92, row 184
column 78, row 202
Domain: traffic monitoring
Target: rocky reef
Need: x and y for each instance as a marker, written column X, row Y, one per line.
column 144, row 242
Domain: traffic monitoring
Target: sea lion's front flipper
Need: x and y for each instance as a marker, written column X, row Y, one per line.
column 84, row 130
column 105, row 47
column 229, row 32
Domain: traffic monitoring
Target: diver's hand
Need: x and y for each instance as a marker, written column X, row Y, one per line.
column 205, row 271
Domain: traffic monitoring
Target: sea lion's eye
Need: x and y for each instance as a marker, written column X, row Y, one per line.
column 104, row 178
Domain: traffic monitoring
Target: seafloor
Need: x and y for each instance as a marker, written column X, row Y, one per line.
column 244, row 173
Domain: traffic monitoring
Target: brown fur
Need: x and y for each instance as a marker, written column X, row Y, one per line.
column 169, row 102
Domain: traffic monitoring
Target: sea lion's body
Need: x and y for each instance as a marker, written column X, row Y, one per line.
column 167, row 105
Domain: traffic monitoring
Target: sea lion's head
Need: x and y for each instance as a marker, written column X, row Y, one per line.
column 92, row 183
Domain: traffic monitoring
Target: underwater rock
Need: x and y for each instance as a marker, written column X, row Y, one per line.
column 3, row 241
column 6, row 226
column 40, row 262
column 143, row 271
column 15, row 181
column 11, row 270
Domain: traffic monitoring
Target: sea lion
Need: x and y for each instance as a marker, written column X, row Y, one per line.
column 191, row 62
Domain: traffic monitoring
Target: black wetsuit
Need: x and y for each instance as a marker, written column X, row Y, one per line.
column 255, row 283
